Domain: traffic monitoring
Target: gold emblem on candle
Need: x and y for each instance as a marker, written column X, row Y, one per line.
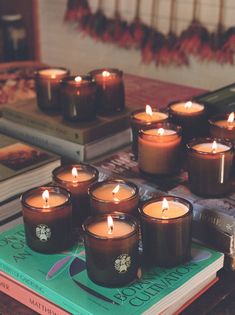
column 122, row 263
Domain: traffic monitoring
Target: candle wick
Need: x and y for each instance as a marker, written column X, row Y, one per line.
column 213, row 150
column 163, row 210
column 110, row 230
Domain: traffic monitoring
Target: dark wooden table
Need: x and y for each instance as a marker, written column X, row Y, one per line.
column 219, row 299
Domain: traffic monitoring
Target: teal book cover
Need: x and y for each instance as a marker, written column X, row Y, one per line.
column 62, row 278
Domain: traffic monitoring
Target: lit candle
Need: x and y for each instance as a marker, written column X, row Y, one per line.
column 159, row 149
column 210, row 166
column 110, row 91
column 191, row 117
column 114, row 195
column 47, row 214
column 223, row 126
column 166, row 230
column 47, row 83
column 111, row 245
column 78, row 98
column 141, row 119
column 77, row 178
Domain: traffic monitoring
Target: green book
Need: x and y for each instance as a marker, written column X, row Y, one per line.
column 62, row 279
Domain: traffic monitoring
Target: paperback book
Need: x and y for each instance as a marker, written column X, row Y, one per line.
column 62, row 279
column 74, row 151
column 23, row 166
column 28, row 114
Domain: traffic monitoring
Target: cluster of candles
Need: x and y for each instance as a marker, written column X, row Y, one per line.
column 110, row 214
column 80, row 97
column 160, row 145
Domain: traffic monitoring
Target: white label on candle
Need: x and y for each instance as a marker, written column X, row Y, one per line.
column 43, row 232
column 122, row 263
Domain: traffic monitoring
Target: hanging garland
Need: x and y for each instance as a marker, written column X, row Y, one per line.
column 156, row 47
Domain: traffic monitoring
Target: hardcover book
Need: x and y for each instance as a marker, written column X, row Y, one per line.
column 218, row 101
column 74, row 151
column 62, row 279
column 23, row 166
column 216, row 214
column 27, row 113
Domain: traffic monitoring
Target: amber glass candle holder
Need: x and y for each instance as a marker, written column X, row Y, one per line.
column 114, row 195
column 191, row 116
column 78, row 98
column 112, row 256
column 47, row 82
column 160, row 149
column 166, row 231
column 77, row 178
column 222, row 126
column 47, row 218
column 209, row 166
column 110, row 91
column 141, row 119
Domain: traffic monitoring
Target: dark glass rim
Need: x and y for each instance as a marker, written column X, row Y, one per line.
column 37, row 72
column 165, row 125
column 196, row 141
column 82, row 166
column 86, row 79
column 169, row 198
column 223, row 116
column 51, row 188
column 100, row 70
column 128, row 218
column 113, row 181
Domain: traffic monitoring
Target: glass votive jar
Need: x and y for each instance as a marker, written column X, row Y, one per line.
column 110, row 91
column 47, row 83
column 111, row 246
column 160, row 149
column 142, row 119
column 47, row 214
column 78, row 98
column 209, row 164
column 114, row 195
column 222, row 126
column 191, row 117
column 166, row 231
column 77, row 178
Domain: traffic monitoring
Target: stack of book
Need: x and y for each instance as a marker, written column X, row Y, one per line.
column 76, row 141
column 22, row 167
column 59, row 284
column 213, row 219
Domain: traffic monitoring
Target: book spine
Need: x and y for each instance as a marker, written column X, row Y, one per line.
column 211, row 236
column 33, row 284
column 28, row 297
column 216, row 219
column 59, row 146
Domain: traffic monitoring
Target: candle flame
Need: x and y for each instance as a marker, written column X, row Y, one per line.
column 45, row 197
column 110, row 224
column 78, row 79
column 214, row 147
column 105, row 74
column 53, row 76
column 116, row 189
column 148, row 110
column 188, row 104
column 74, row 172
column 160, row 132
column 231, row 118
column 165, row 205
